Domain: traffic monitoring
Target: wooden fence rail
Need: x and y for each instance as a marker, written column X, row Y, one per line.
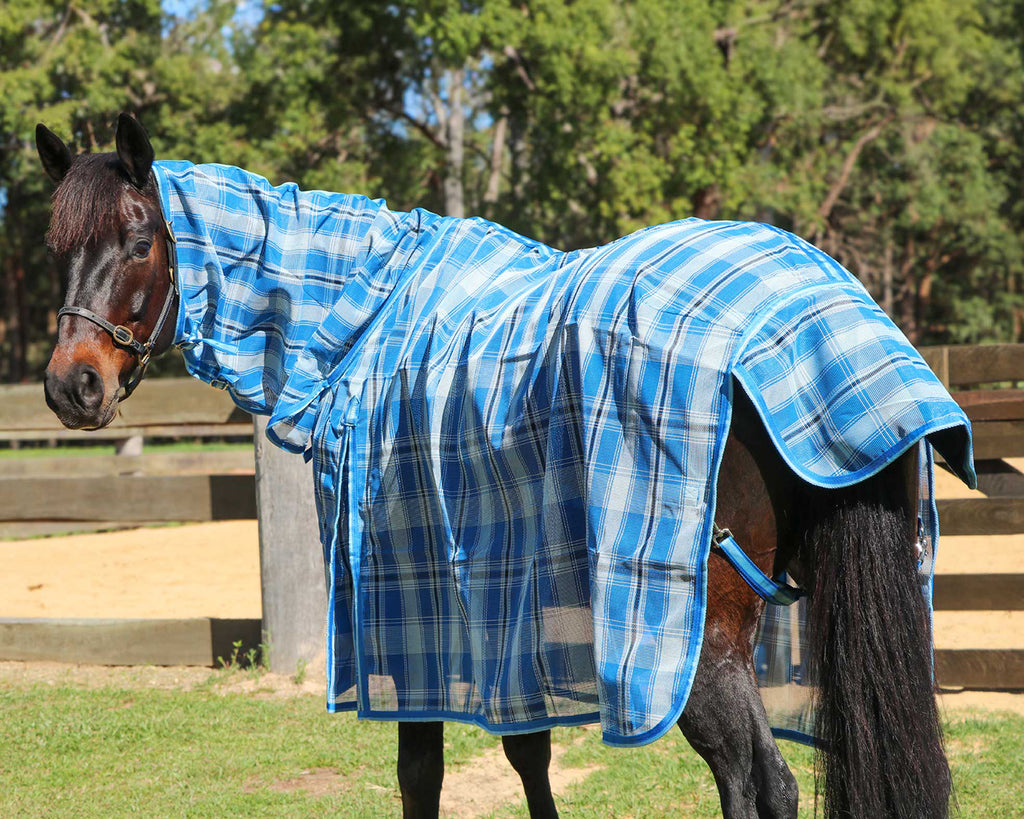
column 969, row 364
column 133, row 498
column 158, row 403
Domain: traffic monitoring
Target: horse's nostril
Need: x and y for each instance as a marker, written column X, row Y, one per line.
column 50, row 389
column 89, row 388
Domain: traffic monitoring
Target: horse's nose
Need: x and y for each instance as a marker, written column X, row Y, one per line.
column 80, row 391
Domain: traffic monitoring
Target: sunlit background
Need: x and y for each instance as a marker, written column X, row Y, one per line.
column 887, row 133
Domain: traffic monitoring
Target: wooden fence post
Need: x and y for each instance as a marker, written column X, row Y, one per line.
column 129, row 446
column 291, row 561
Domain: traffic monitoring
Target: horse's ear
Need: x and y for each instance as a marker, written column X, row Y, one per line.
column 53, row 153
column 134, row 149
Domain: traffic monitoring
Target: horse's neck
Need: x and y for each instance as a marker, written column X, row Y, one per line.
column 266, row 270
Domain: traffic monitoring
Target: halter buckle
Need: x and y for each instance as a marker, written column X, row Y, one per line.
column 122, row 335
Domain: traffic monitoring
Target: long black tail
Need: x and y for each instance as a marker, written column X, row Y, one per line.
column 869, row 649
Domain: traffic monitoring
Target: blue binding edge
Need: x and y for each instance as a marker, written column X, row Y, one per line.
column 773, row 591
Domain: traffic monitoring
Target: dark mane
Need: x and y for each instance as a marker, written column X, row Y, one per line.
column 86, row 204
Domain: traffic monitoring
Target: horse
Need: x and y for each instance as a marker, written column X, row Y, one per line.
column 854, row 549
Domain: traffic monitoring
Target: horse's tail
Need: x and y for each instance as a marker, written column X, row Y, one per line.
column 869, row 648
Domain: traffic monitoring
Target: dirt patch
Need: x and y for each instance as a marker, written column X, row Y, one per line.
column 979, row 629
column 488, row 781
column 960, row 701
column 974, row 554
column 475, row 789
column 315, row 782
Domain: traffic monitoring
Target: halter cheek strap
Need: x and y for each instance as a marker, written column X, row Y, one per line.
column 123, row 336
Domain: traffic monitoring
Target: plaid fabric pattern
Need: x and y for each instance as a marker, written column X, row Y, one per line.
column 515, row 448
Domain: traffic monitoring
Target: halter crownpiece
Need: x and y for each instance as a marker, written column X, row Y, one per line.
column 123, row 336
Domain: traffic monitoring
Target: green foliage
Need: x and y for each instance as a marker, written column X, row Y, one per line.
column 888, row 133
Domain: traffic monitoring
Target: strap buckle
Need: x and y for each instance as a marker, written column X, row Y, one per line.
column 122, row 335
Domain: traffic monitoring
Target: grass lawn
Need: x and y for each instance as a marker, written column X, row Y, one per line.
column 67, row 750
column 85, row 450
column 668, row 779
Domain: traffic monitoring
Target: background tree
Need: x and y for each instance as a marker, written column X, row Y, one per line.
column 887, row 132
column 75, row 66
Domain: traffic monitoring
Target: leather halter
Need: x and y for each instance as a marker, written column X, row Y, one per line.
column 123, row 336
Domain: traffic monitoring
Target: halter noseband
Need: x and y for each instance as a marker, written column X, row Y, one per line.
column 123, row 336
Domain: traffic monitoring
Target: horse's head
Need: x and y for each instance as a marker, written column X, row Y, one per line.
column 109, row 239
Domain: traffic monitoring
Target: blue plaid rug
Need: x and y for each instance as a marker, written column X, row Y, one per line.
column 515, row 448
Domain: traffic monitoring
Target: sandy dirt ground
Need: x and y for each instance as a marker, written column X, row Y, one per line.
column 201, row 570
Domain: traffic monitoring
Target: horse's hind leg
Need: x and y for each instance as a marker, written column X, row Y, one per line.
column 420, row 768
column 726, row 724
column 724, row 719
column 530, row 755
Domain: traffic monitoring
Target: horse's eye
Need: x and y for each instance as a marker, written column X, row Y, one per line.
column 141, row 249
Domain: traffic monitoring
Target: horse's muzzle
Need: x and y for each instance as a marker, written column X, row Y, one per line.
column 77, row 397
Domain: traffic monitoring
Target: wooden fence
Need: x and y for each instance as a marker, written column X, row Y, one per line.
column 61, row 493
column 997, row 420
column 978, row 377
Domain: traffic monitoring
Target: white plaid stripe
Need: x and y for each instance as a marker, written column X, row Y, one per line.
column 510, row 441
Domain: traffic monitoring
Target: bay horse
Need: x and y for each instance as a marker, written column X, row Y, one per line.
column 880, row 751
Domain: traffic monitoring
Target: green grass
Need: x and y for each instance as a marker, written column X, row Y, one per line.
column 128, row 750
column 108, row 449
column 987, row 757
column 667, row 778
column 73, row 752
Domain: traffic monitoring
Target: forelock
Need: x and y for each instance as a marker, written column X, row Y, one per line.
column 86, row 204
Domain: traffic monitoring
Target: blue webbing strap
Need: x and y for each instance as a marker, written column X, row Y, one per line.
column 772, row 591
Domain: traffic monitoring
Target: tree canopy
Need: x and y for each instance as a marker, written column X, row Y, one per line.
column 888, row 132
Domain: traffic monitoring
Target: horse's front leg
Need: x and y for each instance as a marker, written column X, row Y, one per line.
column 420, row 768
column 530, row 755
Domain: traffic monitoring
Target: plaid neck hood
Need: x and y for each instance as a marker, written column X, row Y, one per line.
column 277, row 284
